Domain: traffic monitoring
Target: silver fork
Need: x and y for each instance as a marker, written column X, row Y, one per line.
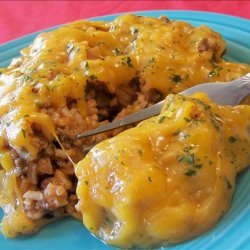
column 223, row 93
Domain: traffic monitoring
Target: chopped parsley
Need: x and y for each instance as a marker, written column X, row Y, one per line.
column 188, row 158
column 210, row 162
column 140, row 152
column 129, row 62
column 187, row 119
column 176, row 78
column 27, row 78
column 187, row 149
column 232, row 139
column 162, row 118
column 151, row 61
column 229, row 185
column 116, row 51
column 207, row 107
column 214, row 72
column 134, row 30
column 186, row 135
column 24, row 133
column 211, row 73
column 149, row 179
column 177, row 132
column 86, row 66
column 190, row 172
column 69, row 47
column 38, row 104
column 198, row 166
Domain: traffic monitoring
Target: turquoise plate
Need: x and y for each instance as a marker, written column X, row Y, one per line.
column 231, row 232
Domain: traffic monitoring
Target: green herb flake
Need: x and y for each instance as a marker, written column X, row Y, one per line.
column 186, row 136
column 140, row 152
column 207, row 107
column 214, row 72
column 116, row 52
column 162, row 118
column 187, row 119
column 134, row 30
column 38, row 104
column 198, row 166
column 129, row 62
column 151, row 61
column 211, row 73
column 232, row 139
column 27, row 78
column 190, row 159
column 177, row 132
column 24, row 133
column 229, row 185
column 86, row 66
column 86, row 183
column 69, row 47
column 176, row 78
column 92, row 77
column 190, row 172
column 187, row 148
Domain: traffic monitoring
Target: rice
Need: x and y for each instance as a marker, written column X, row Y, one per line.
column 33, row 195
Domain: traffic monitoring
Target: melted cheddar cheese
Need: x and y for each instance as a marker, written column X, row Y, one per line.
column 168, row 179
column 168, row 56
